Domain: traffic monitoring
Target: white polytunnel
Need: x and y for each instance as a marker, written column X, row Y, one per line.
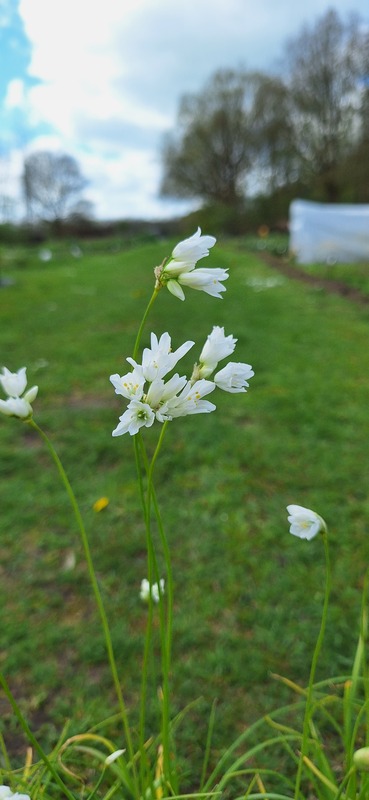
column 328, row 233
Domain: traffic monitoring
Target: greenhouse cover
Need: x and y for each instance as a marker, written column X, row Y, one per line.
column 328, row 233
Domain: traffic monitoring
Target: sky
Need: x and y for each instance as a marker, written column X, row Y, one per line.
column 101, row 80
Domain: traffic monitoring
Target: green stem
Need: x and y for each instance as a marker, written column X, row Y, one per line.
column 148, row 635
column 144, row 318
column 34, row 742
column 364, row 639
column 166, row 624
column 94, row 583
column 314, row 662
column 153, row 574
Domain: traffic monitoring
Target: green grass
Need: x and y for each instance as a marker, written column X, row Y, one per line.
column 247, row 594
column 355, row 276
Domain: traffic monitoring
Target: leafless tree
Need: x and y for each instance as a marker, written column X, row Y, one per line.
column 52, row 183
column 324, row 65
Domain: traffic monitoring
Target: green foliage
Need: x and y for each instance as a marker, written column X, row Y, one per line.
column 243, row 586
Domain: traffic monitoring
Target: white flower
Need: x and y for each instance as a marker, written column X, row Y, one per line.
column 159, row 392
column 187, row 253
column 233, row 377
column 305, row 523
column 136, row 416
column 180, row 270
column 157, row 589
column 190, row 401
column 114, row 756
column 204, row 279
column 158, row 360
column 216, row 347
column 129, row 385
column 7, row 794
column 14, row 384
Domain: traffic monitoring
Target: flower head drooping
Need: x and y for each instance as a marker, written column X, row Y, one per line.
column 7, row 794
column 233, row 377
column 179, row 270
column 305, row 523
column 14, row 384
column 157, row 589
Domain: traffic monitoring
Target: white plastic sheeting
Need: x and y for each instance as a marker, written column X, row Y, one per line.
column 328, row 233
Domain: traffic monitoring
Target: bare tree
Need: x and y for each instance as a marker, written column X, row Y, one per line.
column 211, row 152
column 324, row 64
column 52, row 183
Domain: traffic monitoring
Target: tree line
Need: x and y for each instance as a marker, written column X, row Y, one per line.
column 303, row 132
column 249, row 142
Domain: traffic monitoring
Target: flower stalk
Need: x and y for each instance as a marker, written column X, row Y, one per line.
column 95, row 586
column 314, row 662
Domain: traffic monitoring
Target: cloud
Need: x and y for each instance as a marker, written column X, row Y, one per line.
column 104, row 79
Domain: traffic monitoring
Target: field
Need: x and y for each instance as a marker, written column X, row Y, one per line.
column 247, row 594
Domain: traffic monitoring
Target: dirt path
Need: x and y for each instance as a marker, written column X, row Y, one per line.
column 296, row 273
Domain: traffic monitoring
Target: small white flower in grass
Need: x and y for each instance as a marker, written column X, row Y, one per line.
column 157, row 589
column 114, row 756
column 304, row 522
column 137, row 415
column 233, row 377
column 7, row 794
column 216, row 347
column 14, row 384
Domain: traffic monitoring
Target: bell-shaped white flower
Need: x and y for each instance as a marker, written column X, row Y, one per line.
column 233, row 377
column 137, row 415
column 304, row 522
column 157, row 589
column 216, row 347
column 186, row 254
column 179, row 270
column 204, row 280
column 14, row 384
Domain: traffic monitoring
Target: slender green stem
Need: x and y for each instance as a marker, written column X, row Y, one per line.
column 314, row 662
column 166, row 624
column 144, row 318
column 153, row 574
column 364, row 639
column 34, row 742
column 94, row 583
column 148, row 635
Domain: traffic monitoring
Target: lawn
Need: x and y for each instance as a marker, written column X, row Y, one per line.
column 247, row 594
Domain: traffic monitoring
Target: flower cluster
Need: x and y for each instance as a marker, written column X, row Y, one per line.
column 14, row 384
column 153, row 398
column 157, row 589
column 179, row 270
